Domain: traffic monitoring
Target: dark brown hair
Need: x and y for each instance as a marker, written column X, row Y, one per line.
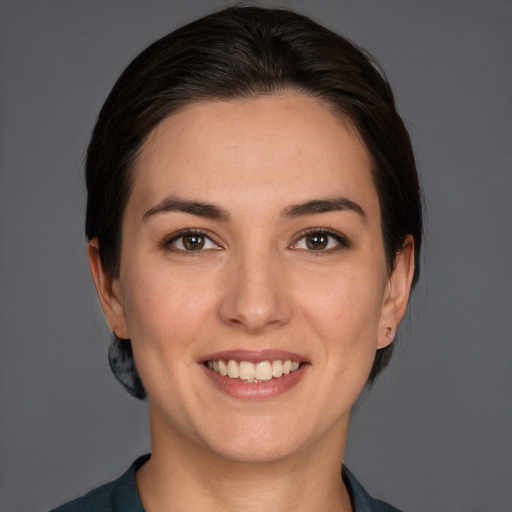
column 237, row 53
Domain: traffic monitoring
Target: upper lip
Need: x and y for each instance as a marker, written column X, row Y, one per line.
column 254, row 356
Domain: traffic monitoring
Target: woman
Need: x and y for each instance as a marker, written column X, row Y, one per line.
column 254, row 221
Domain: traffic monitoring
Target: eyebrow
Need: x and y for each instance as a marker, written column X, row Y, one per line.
column 199, row 208
column 211, row 211
column 316, row 206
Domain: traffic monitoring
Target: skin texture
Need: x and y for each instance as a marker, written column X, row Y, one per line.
column 255, row 286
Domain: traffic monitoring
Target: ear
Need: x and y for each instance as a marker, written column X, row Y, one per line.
column 396, row 295
column 108, row 290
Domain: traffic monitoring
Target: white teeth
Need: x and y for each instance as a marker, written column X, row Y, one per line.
column 223, row 368
column 233, row 369
column 263, row 371
column 277, row 368
column 253, row 372
column 247, row 370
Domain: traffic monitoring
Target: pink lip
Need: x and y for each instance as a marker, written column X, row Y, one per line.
column 255, row 390
column 254, row 356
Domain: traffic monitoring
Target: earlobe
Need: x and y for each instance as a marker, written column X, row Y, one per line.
column 108, row 291
column 397, row 293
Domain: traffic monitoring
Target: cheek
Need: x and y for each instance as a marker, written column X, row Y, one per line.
column 163, row 306
column 344, row 309
column 166, row 314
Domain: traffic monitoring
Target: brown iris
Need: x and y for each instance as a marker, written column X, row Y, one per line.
column 193, row 242
column 317, row 241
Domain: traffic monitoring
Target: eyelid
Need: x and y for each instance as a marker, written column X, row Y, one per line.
column 341, row 239
column 167, row 242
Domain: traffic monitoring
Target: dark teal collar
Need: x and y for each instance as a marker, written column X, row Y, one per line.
column 361, row 500
column 122, row 495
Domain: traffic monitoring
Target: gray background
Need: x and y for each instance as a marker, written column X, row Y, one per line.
column 436, row 432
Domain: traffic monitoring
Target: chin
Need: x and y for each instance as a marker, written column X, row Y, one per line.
column 258, row 440
column 247, row 450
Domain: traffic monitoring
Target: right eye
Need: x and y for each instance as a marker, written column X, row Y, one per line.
column 191, row 241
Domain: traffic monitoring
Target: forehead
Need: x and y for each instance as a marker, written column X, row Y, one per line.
column 285, row 147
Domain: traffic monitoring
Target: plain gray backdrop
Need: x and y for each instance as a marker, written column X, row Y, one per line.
column 435, row 434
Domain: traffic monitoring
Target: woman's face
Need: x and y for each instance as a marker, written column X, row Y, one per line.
column 252, row 237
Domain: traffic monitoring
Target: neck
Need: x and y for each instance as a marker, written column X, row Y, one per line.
column 182, row 476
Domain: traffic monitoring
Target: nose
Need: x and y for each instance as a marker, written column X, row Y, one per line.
column 256, row 297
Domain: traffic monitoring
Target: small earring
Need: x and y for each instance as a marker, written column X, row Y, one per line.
column 116, row 336
column 391, row 333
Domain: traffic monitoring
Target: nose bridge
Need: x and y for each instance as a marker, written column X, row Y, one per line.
column 255, row 297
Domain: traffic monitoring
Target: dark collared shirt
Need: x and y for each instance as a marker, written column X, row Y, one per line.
column 122, row 495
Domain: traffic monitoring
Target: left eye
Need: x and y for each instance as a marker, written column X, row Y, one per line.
column 318, row 241
column 193, row 242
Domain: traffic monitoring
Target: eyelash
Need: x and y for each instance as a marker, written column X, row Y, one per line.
column 341, row 240
column 167, row 244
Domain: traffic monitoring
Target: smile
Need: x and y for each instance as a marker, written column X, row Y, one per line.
column 247, row 371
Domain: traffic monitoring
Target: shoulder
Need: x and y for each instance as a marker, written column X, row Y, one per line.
column 362, row 501
column 119, row 495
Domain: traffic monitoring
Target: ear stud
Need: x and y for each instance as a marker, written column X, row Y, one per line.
column 391, row 333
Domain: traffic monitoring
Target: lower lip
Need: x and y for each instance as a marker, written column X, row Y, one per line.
column 256, row 390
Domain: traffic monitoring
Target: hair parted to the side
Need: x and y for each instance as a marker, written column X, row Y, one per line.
column 243, row 52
